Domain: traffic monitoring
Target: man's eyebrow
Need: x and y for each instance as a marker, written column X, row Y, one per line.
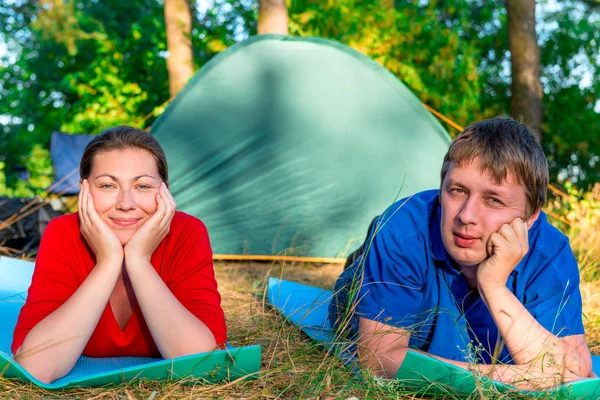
column 490, row 192
column 454, row 183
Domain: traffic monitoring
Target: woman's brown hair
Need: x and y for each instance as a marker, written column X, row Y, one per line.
column 121, row 138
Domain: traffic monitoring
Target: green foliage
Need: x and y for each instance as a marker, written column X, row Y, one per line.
column 78, row 67
column 454, row 55
column 577, row 214
column 571, row 77
column 83, row 65
column 422, row 44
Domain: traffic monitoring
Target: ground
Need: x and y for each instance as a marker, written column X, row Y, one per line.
column 292, row 365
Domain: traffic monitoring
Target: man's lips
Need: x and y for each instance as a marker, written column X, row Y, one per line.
column 463, row 240
column 125, row 222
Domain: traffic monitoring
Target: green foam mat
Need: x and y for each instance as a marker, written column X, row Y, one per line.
column 220, row 365
column 307, row 307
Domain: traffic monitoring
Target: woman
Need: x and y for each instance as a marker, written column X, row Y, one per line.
column 126, row 275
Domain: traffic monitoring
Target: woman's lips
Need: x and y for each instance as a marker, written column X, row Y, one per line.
column 125, row 222
column 464, row 240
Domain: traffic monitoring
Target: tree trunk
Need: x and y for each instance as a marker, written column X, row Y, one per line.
column 272, row 17
column 527, row 93
column 180, row 64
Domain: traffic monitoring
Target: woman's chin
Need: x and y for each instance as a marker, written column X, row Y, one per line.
column 124, row 237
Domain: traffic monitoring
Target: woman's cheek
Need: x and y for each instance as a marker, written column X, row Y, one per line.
column 148, row 202
column 102, row 201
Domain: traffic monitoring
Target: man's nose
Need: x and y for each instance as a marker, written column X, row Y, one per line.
column 469, row 212
column 125, row 200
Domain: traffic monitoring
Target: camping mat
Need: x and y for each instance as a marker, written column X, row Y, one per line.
column 15, row 277
column 307, row 307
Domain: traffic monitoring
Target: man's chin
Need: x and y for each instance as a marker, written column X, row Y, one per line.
column 467, row 260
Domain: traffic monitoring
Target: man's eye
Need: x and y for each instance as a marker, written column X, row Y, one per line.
column 496, row 201
column 457, row 191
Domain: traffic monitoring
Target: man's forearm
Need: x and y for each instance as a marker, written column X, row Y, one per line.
column 524, row 376
column 524, row 337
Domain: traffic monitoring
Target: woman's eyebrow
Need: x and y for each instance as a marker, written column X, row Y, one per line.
column 135, row 178
column 144, row 176
column 107, row 175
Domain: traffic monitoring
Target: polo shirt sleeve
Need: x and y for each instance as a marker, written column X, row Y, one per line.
column 192, row 277
column 553, row 298
column 391, row 290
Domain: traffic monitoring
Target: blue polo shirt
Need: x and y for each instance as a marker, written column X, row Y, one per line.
column 409, row 282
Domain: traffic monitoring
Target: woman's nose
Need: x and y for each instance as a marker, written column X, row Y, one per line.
column 125, row 200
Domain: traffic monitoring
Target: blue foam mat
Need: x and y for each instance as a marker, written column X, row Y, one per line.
column 231, row 363
column 308, row 307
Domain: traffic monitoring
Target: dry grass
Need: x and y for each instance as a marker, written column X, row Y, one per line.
column 292, row 366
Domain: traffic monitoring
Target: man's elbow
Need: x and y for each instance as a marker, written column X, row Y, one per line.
column 577, row 359
column 382, row 365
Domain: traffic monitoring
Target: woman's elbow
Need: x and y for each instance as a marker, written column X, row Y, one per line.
column 38, row 369
column 190, row 348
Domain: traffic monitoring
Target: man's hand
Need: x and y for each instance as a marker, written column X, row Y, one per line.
column 506, row 248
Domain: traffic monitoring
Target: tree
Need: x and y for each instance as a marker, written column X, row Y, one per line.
column 272, row 17
column 526, row 103
column 180, row 63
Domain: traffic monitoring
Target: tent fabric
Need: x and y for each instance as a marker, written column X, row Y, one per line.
column 66, row 152
column 228, row 364
column 307, row 307
column 288, row 145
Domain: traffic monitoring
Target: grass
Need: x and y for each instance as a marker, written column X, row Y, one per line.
column 292, row 366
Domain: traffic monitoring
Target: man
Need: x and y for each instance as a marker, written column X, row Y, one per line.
column 471, row 274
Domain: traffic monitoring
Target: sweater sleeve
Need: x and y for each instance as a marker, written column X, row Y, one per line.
column 192, row 277
column 54, row 279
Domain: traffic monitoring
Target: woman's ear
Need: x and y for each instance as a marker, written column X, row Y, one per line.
column 531, row 220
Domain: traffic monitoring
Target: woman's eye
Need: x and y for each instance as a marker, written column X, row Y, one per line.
column 144, row 187
column 106, row 186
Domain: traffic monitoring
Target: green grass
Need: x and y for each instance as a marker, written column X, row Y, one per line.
column 293, row 366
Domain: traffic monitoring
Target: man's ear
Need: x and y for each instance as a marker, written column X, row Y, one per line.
column 531, row 220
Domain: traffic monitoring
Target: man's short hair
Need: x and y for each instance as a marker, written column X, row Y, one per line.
column 503, row 144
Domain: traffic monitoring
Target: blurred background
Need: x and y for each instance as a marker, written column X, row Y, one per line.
column 79, row 66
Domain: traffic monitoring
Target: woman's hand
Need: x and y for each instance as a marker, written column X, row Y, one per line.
column 147, row 238
column 104, row 243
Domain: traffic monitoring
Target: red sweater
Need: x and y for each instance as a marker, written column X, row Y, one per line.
column 183, row 260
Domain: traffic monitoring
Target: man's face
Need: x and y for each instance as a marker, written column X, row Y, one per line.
column 474, row 207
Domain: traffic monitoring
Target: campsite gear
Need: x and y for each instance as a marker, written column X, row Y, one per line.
column 290, row 145
column 66, row 152
column 24, row 232
column 307, row 307
column 228, row 364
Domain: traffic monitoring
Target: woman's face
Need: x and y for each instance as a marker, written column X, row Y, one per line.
column 124, row 184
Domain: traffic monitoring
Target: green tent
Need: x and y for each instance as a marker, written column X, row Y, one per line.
column 287, row 145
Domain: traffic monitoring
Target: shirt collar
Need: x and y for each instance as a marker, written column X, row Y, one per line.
column 436, row 245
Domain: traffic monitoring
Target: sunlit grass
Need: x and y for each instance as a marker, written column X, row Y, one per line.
column 293, row 366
